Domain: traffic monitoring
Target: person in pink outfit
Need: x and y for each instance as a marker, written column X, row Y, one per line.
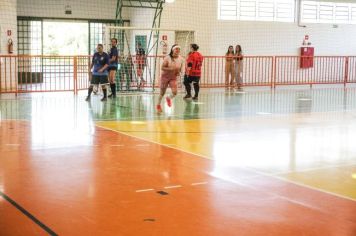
column 171, row 70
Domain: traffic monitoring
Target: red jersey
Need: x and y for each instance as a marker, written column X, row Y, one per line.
column 195, row 62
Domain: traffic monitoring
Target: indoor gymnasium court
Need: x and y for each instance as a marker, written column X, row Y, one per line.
column 267, row 148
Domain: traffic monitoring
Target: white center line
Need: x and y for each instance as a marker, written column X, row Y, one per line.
column 175, row 186
column 144, row 190
column 201, row 183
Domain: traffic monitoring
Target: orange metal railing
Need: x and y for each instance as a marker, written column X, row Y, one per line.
column 325, row 70
column 25, row 74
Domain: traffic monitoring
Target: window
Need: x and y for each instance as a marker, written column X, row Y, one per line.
column 29, row 33
column 257, row 10
column 96, row 32
column 328, row 12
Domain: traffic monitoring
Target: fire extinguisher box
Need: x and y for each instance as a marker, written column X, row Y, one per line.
column 307, row 54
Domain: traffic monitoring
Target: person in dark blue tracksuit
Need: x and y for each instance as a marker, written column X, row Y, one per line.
column 99, row 65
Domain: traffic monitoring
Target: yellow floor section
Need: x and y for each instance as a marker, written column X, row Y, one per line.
column 339, row 180
column 194, row 136
column 273, row 145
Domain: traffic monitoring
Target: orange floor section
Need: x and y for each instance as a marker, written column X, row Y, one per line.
column 252, row 163
column 125, row 186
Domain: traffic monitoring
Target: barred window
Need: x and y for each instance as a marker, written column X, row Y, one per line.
column 257, row 10
column 328, row 12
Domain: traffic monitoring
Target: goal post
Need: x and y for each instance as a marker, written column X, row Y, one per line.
column 141, row 52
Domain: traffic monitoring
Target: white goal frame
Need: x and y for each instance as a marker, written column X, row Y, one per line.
column 107, row 29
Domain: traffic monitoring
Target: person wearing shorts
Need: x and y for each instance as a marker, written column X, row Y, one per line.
column 113, row 63
column 171, row 70
column 99, row 65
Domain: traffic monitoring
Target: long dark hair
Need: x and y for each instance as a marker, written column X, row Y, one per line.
column 171, row 53
column 239, row 51
column 227, row 53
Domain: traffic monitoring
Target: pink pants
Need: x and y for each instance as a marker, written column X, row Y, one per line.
column 168, row 81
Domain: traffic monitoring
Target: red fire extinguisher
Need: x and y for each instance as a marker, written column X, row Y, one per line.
column 10, row 46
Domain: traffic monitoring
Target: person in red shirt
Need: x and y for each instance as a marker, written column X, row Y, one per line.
column 193, row 71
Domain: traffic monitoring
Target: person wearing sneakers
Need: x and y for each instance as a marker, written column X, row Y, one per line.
column 171, row 70
column 99, row 65
column 193, row 71
column 113, row 55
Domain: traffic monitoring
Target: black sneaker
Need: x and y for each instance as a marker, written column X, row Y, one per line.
column 87, row 98
column 187, row 96
column 104, row 99
column 195, row 98
column 111, row 95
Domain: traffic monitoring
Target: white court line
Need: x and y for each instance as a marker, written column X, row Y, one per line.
column 13, row 120
column 253, row 170
column 300, row 203
column 174, row 186
column 201, row 183
column 299, row 184
column 150, row 141
column 263, row 113
column 314, row 169
column 144, row 190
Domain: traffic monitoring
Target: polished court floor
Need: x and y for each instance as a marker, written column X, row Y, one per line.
column 257, row 162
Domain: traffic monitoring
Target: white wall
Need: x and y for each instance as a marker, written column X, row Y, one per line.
column 87, row 9
column 180, row 15
column 8, row 21
column 256, row 38
column 262, row 38
column 213, row 36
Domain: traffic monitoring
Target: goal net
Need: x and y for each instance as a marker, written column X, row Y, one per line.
column 141, row 53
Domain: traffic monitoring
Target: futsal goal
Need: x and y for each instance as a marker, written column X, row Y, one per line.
column 141, row 53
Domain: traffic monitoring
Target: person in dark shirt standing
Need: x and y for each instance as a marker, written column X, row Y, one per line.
column 99, row 65
column 193, row 71
column 113, row 62
column 140, row 63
